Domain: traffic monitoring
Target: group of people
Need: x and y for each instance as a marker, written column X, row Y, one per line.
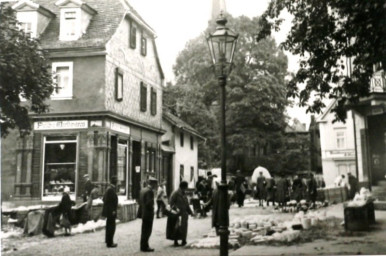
column 279, row 189
column 178, row 208
column 352, row 184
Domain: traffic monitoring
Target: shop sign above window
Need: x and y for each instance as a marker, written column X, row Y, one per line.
column 61, row 125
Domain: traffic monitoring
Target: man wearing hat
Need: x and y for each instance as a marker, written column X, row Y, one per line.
column 110, row 206
column 146, row 212
column 88, row 186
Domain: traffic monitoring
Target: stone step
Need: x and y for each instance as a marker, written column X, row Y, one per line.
column 380, row 205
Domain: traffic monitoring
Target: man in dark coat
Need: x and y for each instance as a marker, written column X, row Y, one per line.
column 271, row 190
column 88, row 187
column 260, row 187
column 281, row 190
column 146, row 212
column 179, row 200
column 241, row 187
column 312, row 188
column 353, row 185
column 110, row 206
column 297, row 189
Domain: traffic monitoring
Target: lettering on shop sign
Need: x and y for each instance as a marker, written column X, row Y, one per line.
column 60, row 125
column 119, row 127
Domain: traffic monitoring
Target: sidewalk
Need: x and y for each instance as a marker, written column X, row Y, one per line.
column 371, row 242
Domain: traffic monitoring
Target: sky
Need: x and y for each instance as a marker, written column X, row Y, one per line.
column 178, row 21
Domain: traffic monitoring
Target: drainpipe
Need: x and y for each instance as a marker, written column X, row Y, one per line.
column 355, row 146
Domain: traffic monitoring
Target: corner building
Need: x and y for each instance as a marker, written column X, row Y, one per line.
column 106, row 109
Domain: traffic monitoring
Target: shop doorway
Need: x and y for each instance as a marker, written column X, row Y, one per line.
column 377, row 139
column 119, row 164
column 168, row 172
column 136, row 170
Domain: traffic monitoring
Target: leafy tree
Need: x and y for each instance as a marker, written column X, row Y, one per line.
column 24, row 72
column 323, row 34
column 255, row 102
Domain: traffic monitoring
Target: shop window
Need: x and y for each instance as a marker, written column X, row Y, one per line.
column 122, row 164
column 143, row 97
column 191, row 142
column 133, row 36
column 118, row 84
column 182, row 139
column 153, row 104
column 182, row 174
column 143, row 46
column 62, row 74
column 60, row 156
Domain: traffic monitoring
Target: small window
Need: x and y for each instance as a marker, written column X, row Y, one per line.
column 118, row 84
column 143, row 46
column 62, row 72
column 153, row 103
column 143, row 97
column 70, row 19
column 191, row 142
column 182, row 139
column 133, row 36
column 27, row 28
column 340, row 140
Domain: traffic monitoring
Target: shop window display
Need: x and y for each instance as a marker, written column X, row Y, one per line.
column 59, row 166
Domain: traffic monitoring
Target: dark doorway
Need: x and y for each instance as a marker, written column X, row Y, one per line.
column 136, row 170
column 167, row 168
column 377, row 139
column 113, row 156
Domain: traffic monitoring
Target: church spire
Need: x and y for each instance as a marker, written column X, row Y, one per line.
column 217, row 7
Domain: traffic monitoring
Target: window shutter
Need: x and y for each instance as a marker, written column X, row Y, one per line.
column 118, row 85
column 153, row 102
column 143, row 97
column 143, row 46
column 133, row 36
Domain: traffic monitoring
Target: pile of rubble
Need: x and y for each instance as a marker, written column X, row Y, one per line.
column 261, row 229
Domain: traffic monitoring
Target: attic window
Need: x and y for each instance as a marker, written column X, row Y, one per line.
column 70, row 24
column 27, row 28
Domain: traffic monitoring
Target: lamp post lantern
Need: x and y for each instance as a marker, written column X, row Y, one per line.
column 222, row 45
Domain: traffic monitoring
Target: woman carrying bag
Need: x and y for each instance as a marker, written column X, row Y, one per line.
column 177, row 223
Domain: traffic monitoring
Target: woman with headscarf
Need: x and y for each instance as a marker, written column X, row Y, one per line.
column 241, row 187
column 64, row 208
column 178, row 200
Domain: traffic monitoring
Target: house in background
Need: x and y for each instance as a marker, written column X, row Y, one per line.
column 337, row 146
column 179, row 152
column 297, row 148
column 106, row 111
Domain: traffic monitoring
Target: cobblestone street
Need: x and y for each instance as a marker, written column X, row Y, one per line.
column 127, row 236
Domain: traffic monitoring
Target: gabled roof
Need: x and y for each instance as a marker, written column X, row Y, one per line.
column 176, row 121
column 322, row 118
column 296, row 127
column 102, row 27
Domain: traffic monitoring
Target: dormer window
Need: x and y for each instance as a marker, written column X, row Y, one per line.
column 33, row 17
column 26, row 27
column 69, row 26
column 75, row 16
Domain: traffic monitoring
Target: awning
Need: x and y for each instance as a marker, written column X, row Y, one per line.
column 168, row 149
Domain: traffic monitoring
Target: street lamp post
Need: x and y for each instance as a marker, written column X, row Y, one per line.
column 222, row 45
